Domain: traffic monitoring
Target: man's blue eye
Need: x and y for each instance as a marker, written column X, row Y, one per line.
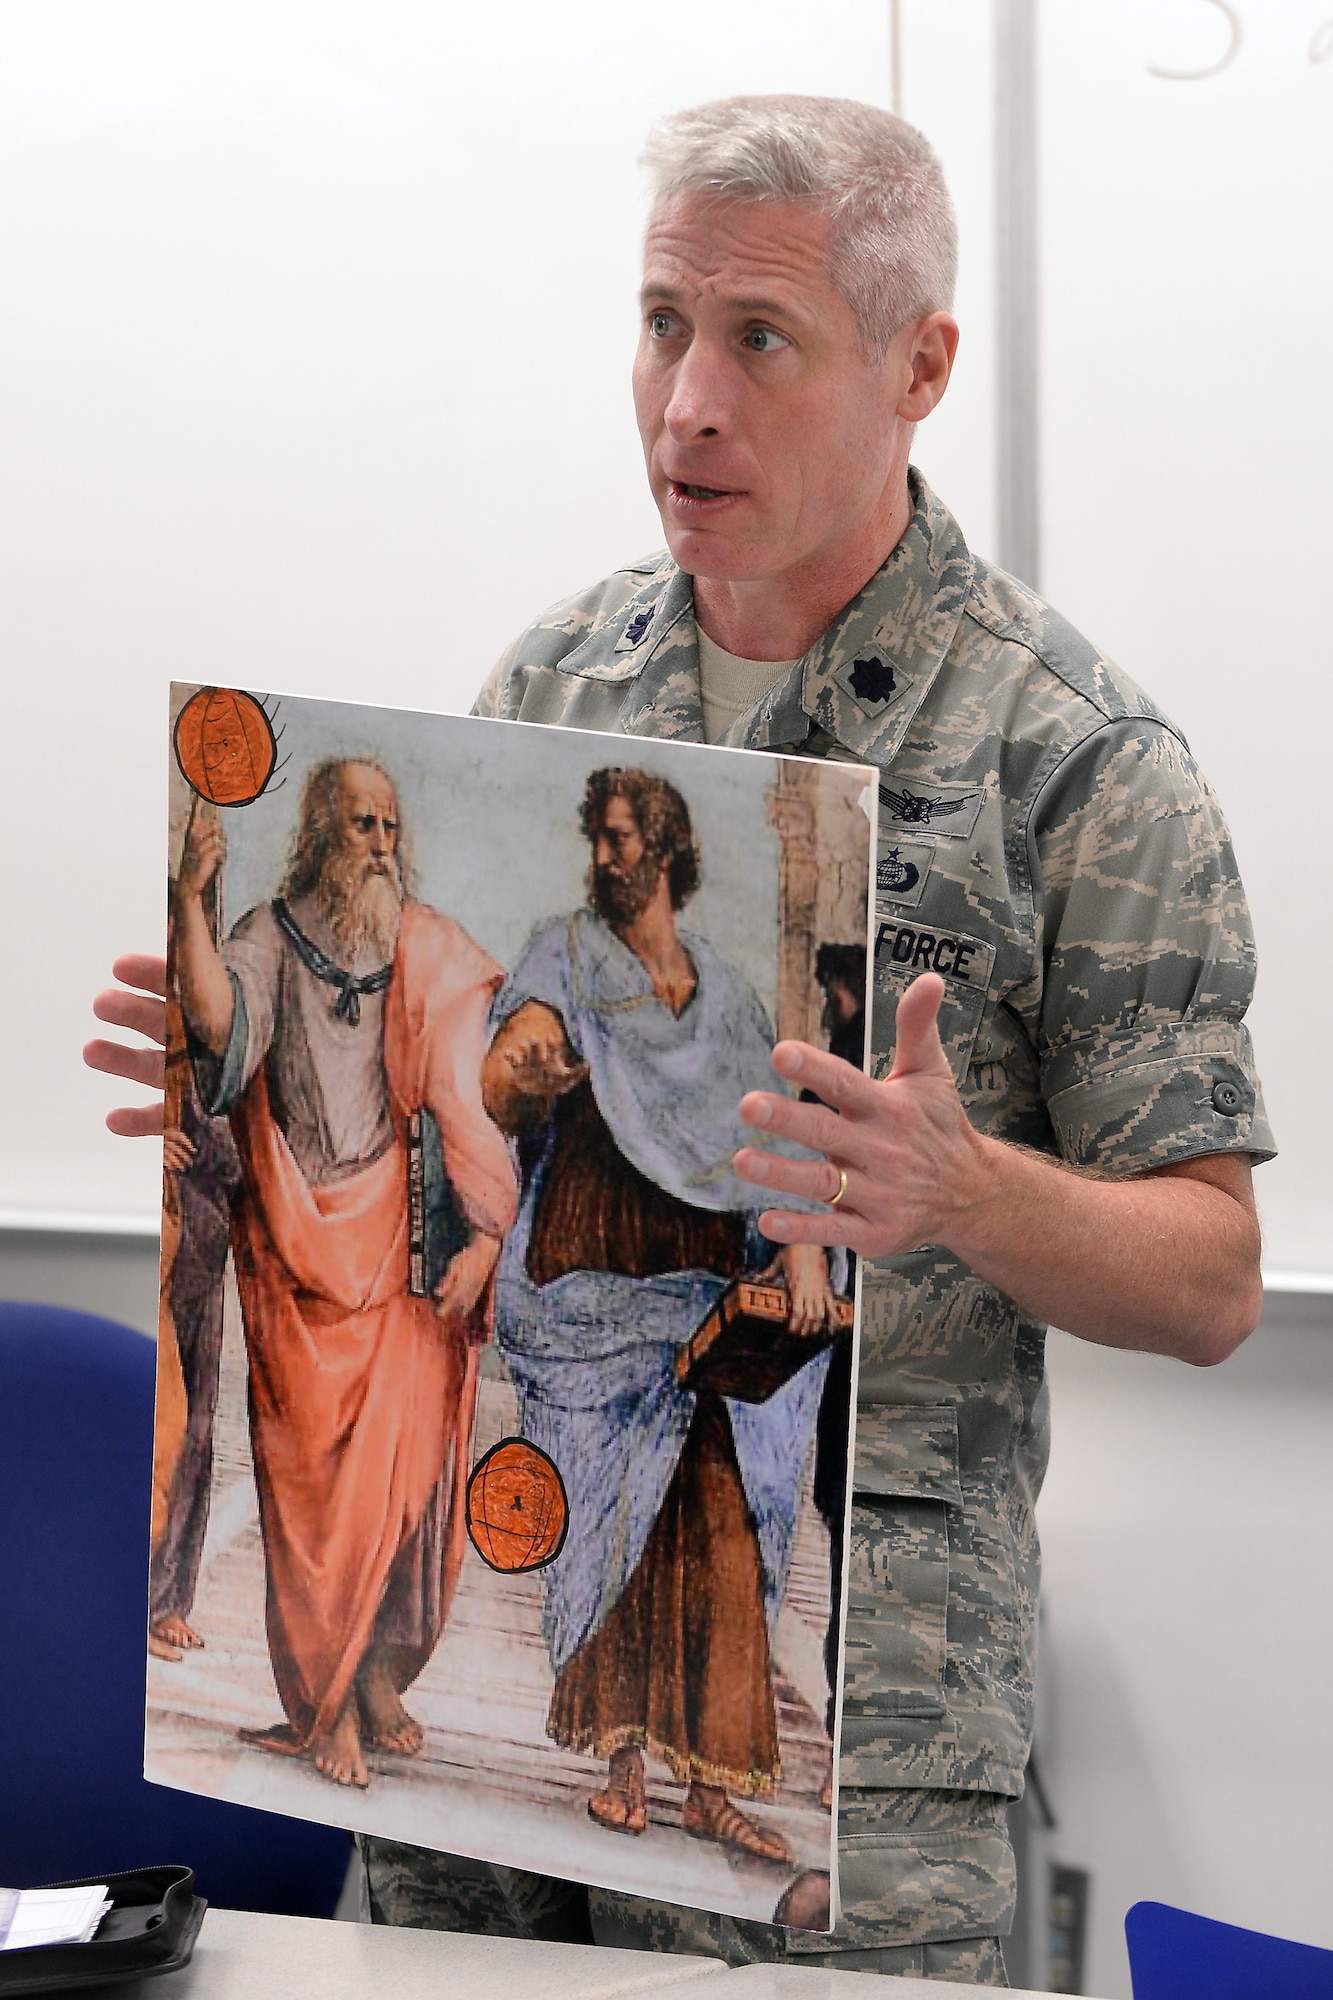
column 660, row 324
column 763, row 340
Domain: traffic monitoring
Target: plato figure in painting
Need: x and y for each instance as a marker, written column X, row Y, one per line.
column 329, row 1024
column 624, row 1046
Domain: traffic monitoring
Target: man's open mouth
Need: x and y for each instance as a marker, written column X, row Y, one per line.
column 690, row 490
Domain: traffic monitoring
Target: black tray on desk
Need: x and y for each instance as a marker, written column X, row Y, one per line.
column 151, row 1927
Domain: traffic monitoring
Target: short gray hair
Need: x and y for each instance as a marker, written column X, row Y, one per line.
column 894, row 247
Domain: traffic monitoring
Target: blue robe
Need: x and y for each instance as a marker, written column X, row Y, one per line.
column 592, row 1354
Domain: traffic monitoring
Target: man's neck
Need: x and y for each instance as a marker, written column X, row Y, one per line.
column 780, row 617
column 653, row 939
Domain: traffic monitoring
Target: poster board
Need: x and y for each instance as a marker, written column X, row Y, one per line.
column 461, row 1012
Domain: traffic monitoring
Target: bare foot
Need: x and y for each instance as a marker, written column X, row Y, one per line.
column 173, row 1631
column 710, row 1815
column 280, row 1741
column 622, row 1806
column 159, row 1649
column 385, row 1723
column 338, row 1755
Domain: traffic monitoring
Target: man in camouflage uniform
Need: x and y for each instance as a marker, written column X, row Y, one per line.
column 1054, row 873
column 1064, row 1106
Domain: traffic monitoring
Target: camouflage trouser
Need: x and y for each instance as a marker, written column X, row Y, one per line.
column 927, row 1881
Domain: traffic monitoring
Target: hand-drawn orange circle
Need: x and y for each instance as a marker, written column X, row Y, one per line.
column 225, row 746
column 517, row 1512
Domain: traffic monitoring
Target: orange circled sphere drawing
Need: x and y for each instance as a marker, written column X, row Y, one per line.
column 517, row 1512
column 225, row 746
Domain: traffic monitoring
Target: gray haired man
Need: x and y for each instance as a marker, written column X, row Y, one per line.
column 1063, row 1111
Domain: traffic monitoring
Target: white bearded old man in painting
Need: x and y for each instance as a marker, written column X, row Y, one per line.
column 329, row 1019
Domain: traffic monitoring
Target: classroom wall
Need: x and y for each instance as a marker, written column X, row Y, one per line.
column 313, row 377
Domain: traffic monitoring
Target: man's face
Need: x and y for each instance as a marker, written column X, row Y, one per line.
column 368, row 820
column 360, row 885
column 624, row 875
column 767, row 430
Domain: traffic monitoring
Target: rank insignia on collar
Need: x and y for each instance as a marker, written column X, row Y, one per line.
column 639, row 624
column 872, row 680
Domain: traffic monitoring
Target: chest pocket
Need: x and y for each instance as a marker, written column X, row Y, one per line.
column 904, row 949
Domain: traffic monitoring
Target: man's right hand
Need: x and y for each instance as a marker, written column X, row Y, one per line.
column 528, row 1065
column 142, row 1010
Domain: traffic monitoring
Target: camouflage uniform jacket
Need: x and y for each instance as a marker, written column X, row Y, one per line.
column 1048, row 846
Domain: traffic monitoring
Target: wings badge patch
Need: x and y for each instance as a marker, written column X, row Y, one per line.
column 944, row 810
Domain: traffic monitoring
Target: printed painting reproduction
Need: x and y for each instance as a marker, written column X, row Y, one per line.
column 501, row 1466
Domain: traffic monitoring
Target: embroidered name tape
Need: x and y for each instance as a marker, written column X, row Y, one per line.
column 965, row 958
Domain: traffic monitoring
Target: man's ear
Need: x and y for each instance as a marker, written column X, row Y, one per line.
column 933, row 345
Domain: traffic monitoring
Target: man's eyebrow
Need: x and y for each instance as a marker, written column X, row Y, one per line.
column 764, row 308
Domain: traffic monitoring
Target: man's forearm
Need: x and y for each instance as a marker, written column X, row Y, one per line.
column 207, row 1001
column 1167, row 1263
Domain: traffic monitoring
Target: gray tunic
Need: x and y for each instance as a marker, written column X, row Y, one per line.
column 327, row 1083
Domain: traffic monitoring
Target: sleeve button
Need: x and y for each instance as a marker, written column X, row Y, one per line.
column 1226, row 1099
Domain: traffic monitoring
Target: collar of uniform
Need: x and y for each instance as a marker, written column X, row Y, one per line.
column 663, row 697
column 867, row 676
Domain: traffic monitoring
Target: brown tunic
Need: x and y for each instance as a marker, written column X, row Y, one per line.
column 680, row 1666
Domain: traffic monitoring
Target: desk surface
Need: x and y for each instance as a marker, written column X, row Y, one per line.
column 241, row 1956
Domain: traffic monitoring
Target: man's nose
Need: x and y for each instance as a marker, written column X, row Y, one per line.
column 381, row 840
column 699, row 403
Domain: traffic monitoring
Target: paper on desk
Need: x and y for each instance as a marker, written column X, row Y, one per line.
column 50, row 1916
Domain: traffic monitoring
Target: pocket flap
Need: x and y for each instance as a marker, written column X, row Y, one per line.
column 908, row 1451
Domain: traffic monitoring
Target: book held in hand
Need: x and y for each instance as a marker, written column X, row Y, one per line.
column 745, row 1348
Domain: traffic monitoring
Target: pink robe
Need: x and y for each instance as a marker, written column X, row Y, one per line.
column 361, row 1409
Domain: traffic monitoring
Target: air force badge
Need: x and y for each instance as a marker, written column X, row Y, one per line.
column 950, row 810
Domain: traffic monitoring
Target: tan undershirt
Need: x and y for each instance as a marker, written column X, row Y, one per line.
column 729, row 685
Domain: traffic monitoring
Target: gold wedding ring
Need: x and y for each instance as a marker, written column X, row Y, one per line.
column 842, row 1187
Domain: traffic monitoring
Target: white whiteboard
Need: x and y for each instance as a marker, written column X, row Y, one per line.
column 1188, row 435
column 314, row 375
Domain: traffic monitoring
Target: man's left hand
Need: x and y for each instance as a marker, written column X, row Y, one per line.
column 913, row 1163
column 463, row 1284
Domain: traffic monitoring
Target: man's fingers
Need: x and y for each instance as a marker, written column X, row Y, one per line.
column 144, row 1121
column 134, row 1011
column 138, row 968
column 812, row 1125
column 833, row 1227
column 835, row 1082
column 816, row 1180
column 918, row 1049
column 146, row 1066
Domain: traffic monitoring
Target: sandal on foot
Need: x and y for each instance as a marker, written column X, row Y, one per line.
column 621, row 1811
column 731, row 1828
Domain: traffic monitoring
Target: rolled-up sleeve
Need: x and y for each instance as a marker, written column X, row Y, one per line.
column 1148, row 958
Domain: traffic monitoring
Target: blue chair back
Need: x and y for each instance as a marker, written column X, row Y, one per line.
column 1174, row 1955
column 76, row 1442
